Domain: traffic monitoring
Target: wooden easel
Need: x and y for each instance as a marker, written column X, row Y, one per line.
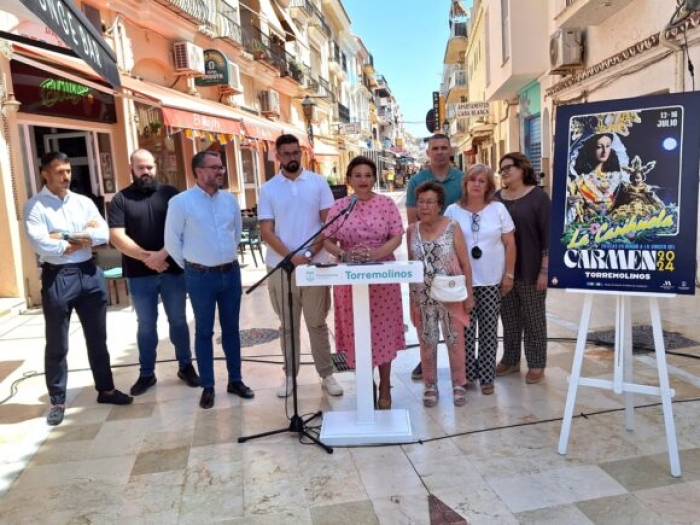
column 623, row 374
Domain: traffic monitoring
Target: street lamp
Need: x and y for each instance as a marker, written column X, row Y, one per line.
column 308, row 106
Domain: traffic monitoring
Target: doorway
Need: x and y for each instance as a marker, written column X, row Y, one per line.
column 77, row 146
column 90, row 156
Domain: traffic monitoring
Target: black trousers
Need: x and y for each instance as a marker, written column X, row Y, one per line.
column 82, row 287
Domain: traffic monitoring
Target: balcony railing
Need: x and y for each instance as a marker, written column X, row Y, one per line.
column 320, row 22
column 304, row 5
column 325, row 89
column 228, row 28
column 265, row 48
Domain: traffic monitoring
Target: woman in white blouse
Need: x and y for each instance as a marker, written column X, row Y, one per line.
column 489, row 232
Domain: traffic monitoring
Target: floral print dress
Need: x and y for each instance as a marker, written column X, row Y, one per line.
column 372, row 223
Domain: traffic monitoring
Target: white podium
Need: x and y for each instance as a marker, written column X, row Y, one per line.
column 365, row 426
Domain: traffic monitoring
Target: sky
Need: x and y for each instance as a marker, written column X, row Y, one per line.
column 407, row 41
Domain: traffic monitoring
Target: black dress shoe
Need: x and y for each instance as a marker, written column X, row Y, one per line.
column 56, row 414
column 240, row 389
column 115, row 397
column 189, row 375
column 207, row 399
column 142, row 384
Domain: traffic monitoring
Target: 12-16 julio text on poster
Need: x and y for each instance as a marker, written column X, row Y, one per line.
column 625, row 195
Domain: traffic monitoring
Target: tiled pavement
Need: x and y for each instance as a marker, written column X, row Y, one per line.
column 164, row 460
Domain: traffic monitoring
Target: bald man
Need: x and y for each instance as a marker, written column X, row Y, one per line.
column 137, row 226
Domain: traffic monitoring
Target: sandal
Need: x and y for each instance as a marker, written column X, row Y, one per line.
column 430, row 396
column 487, row 389
column 460, row 394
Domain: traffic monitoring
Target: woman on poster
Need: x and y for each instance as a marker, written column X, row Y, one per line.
column 597, row 174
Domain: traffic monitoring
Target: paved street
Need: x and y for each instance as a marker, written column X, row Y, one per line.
column 164, row 460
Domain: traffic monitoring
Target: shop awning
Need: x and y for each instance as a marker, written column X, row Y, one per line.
column 48, row 60
column 180, row 110
column 78, row 33
column 270, row 16
column 184, row 111
column 287, row 23
column 324, row 149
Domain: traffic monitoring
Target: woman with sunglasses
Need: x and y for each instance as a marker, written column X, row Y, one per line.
column 488, row 230
column 523, row 309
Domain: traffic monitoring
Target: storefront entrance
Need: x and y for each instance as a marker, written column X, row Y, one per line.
column 90, row 155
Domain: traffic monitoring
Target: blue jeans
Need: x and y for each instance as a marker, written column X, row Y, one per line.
column 144, row 296
column 209, row 289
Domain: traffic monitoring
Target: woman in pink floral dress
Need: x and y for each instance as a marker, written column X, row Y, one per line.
column 371, row 232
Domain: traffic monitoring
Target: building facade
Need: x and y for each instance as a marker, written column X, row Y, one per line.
column 188, row 76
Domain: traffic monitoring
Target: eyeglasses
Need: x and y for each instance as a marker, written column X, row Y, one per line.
column 290, row 154
column 215, row 168
column 428, row 202
column 506, row 169
column 476, row 222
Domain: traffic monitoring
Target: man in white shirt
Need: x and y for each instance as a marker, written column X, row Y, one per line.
column 293, row 206
column 62, row 228
column 202, row 231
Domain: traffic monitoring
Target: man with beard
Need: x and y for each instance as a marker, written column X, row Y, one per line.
column 137, row 227
column 202, row 232
column 293, row 205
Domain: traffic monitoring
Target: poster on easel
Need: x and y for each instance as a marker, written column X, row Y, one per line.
column 625, row 195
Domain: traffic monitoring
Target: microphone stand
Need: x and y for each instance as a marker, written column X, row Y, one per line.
column 297, row 424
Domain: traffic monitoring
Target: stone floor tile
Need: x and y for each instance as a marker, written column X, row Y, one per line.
column 625, row 509
column 173, row 459
column 345, row 514
column 639, row 473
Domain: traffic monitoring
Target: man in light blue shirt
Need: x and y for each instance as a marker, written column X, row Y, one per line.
column 202, row 232
column 62, row 227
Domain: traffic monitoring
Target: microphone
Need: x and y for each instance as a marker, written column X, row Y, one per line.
column 353, row 203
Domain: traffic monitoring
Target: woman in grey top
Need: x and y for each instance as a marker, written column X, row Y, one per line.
column 523, row 309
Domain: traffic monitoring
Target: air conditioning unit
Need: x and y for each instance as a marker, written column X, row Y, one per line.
column 189, row 59
column 234, row 80
column 565, row 50
column 270, row 103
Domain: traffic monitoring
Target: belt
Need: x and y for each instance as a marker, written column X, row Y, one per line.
column 219, row 268
column 56, row 267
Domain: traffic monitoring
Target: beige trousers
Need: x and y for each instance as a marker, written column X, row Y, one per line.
column 315, row 302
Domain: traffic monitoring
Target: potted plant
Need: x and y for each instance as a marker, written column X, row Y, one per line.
column 155, row 127
column 295, row 70
column 257, row 48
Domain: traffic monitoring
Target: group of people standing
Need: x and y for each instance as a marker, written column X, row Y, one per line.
column 497, row 239
column 179, row 244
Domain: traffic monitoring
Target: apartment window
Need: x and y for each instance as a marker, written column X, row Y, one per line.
column 505, row 29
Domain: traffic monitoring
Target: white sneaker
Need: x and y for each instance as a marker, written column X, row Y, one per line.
column 332, row 386
column 285, row 389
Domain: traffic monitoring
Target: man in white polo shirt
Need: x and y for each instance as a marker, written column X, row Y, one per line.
column 292, row 207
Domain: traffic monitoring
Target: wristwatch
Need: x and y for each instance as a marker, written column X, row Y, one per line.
column 65, row 236
column 309, row 254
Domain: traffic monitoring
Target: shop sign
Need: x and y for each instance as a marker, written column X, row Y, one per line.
column 349, row 128
column 472, row 109
column 79, row 34
column 47, row 94
column 215, row 69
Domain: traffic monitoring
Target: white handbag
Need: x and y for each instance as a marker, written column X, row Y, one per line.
column 449, row 288
column 445, row 288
